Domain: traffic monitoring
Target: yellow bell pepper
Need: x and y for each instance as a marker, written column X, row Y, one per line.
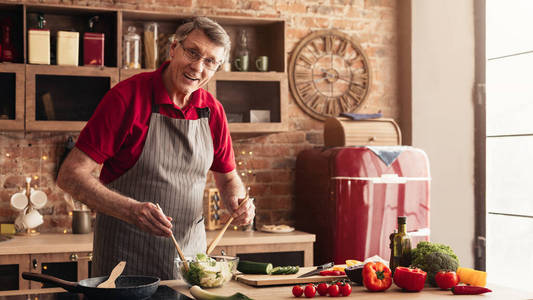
column 352, row 262
column 472, row 277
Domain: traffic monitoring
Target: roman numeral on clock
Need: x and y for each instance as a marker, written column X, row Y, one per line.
column 307, row 62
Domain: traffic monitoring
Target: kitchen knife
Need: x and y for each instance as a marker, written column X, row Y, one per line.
column 317, row 270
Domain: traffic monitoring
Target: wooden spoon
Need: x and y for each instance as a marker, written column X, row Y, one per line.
column 217, row 239
column 110, row 282
column 182, row 257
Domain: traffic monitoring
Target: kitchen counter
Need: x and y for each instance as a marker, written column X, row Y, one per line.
column 358, row 292
column 47, row 243
column 58, row 242
column 284, row 292
column 36, row 252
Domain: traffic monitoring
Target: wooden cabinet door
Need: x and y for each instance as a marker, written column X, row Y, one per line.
column 23, row 262
column 68, row 266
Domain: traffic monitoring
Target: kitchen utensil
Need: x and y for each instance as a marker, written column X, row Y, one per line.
column 214, row 243
column 355, row 273
column 269, row 280
column 317, row 270
column 115, row 273
column 81, row 221
column 180, row 253
column 127, row 287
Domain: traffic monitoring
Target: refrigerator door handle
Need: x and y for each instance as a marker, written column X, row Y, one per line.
column 419, row 232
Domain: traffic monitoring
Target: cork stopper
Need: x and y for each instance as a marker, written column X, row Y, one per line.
column 402, row 220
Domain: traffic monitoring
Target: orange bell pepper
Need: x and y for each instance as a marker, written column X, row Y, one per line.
column 376, row 276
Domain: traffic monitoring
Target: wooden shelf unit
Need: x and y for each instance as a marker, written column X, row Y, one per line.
column 12, row 86
column 265, row 37
column 239, row 92
column 72, row 85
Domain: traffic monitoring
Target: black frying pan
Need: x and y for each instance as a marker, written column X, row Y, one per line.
column 127, row 287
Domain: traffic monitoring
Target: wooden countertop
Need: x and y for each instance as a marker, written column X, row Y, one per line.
column 60, row 243
column 358, row 292
column 284, row 292
column 47, row 243
column 238, row 237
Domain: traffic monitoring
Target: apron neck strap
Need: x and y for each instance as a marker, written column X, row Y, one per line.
column 203, row 112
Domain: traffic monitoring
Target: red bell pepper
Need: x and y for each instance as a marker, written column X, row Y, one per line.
column 411, row 280
column 332, row 273
column 376, row 276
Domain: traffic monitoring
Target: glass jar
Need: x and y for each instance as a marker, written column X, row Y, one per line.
column 132, row 54
column 241, row 60
column 150, row 45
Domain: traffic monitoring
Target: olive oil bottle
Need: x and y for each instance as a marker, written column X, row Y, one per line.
column 400, row 245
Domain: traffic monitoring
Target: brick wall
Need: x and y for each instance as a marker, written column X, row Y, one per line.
column 273, row 156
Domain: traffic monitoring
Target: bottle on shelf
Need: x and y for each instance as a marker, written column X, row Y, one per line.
column 7, row 52
column 242, row 54
column 132, row 43
column 400, row 245
column 39, row 43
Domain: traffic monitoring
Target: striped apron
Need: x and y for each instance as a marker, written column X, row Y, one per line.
column 171, row 171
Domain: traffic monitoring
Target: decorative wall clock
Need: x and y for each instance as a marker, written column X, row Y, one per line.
column 329, row 74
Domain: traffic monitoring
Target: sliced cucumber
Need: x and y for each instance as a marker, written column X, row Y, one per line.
column 251, row 267
column 285, row 270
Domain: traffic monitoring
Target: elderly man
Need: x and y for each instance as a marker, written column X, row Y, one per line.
column 157, row 134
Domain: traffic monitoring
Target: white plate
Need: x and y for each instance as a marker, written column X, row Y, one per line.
column 277, row 228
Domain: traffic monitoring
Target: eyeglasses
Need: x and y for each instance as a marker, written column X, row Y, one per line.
column 193, row 55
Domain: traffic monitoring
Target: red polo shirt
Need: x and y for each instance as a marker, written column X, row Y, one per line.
column 117, row 130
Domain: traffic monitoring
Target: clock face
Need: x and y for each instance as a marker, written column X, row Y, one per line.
column 329, row 74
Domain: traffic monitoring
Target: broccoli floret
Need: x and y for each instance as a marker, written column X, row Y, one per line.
column 432, row 258
column 423, row 248
column 438, row 261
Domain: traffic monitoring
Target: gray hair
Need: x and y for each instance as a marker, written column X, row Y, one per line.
column 214, row 32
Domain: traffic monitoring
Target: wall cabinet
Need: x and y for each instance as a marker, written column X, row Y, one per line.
column 62, row 98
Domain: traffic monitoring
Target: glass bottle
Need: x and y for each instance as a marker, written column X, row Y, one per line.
column 8, row 51
column 242, row 54
column 132, row 49
column 400, row 245
column 150, row 45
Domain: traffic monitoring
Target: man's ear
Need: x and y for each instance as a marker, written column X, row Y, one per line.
column 172, row 49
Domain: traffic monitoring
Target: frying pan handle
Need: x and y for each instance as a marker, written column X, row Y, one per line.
column 67, row 285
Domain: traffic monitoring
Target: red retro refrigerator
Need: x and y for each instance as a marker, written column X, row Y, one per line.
column 350, row 198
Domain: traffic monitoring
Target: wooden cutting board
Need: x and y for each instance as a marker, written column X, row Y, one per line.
column 266, row 280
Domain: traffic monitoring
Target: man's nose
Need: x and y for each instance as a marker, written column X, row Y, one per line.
column 198, row 65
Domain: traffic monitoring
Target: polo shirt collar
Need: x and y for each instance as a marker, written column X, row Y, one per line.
column 161, row 95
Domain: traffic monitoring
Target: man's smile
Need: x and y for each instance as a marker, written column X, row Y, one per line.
column 190, row 77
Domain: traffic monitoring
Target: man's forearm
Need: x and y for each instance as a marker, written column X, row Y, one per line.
column 90, row 191
column 76, row 179
column 230, row 186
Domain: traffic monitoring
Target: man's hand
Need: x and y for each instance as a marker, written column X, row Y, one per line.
column 233, row 193
column 147, row 217
column 242, row 215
